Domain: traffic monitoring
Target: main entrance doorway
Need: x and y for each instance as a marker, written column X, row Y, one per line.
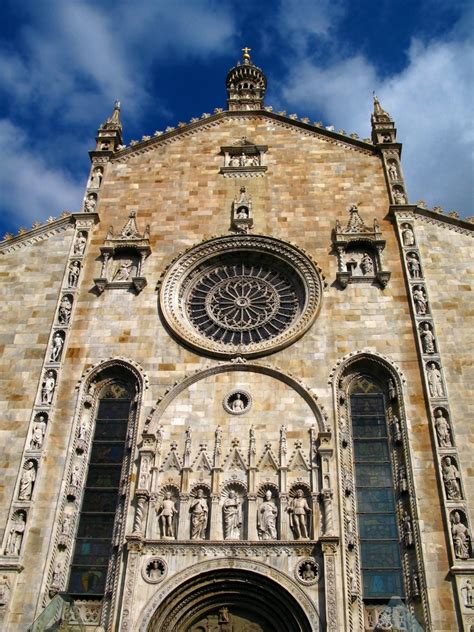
column 230, row 600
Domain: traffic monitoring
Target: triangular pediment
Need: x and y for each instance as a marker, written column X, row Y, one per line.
column 235, row 461
column 202, row 463
column 171, row 462
column 268, row 461
column 298, row 461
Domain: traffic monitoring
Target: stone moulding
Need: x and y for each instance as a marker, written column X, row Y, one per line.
column 180, row 280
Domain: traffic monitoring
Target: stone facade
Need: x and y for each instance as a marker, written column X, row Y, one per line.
column 222, row 433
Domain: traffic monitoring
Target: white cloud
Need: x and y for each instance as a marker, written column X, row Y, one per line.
column 32, row 189
column 430, row 101
column 302, row 22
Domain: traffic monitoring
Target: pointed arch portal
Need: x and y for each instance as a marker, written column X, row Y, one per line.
column 229, row 600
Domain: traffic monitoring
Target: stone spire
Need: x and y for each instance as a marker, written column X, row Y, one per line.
column 245, row 85
column 109, row 134
column 383, row 127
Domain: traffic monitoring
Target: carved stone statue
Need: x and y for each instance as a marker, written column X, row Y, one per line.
column 408, row 237
column 90, row 203
column 421, row 304
column 155, row 570
column 267, row 515
column 37, row 433
column 65, row 308
column 199, row 514
column 427, row 339
column 166, row 512
column 397, row 430
column 451, row 479
column 392, row 390
column 66, row 524
column 407, row 530
column 5, row 592
column 402, row 479
column 27, row 481
column 80, row 243
column 232, row 516
column 435, row 381
column 96, row 178
column 414, row 267
column 442, row 430
column 75, row 479
column 238, row 405
column 366, row 264
column 15, row 536
column 73, row 273
column 47, row 389
column 461, row 537
column 467, row 592
column 56, row 351
column 400, row 198
column 392, row 171
column 124, row 270
column 299, row 511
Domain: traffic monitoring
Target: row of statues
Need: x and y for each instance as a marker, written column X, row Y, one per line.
column 233, row 516
column 244, row 160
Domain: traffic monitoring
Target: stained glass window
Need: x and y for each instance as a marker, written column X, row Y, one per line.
column 99, row 505
column 379, row 543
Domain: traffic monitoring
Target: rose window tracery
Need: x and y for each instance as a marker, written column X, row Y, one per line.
column 244, row 295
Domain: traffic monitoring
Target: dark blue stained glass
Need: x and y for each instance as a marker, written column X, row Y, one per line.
column 372, row 450
column 107, row 452
column 382, row 584
column 377, row 526
column 113, row 409
column 92, row 552
column 367, row 404
column 104, row 476
column 369, row 427
column 99, row 500
column 96, row 525
column 375, row 500
column 380, row 554
column 113, row 430
column 374, row 475
column 87, row 580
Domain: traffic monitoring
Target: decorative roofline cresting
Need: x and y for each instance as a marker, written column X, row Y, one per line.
column 359, row 251
column 129, row 249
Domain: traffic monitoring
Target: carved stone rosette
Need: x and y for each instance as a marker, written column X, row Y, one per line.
column 449, row 471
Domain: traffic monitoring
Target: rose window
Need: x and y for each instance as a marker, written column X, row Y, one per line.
column 242, row 295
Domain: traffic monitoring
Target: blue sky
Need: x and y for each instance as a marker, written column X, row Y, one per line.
column 64, row 62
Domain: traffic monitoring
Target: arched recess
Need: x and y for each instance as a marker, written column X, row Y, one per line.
column 310, row 398
column 377, row 495
column 250, row 592
column 109, row 396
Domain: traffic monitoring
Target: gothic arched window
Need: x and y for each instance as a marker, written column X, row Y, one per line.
column 98, row 522
column 380, row 555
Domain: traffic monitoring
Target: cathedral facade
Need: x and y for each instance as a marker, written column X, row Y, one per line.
column 237, row 388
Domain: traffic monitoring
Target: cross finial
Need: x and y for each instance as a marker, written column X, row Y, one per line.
column 246, row 55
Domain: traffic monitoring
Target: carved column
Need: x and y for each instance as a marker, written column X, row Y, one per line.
column 252, row 517
column 183, row 517
column 327, row 504
column 216, row 518
column 329, row 549
column 142, row 498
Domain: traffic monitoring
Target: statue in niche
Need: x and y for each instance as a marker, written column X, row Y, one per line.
column 238, row 405
column 15, row 536
column 267, row 516
column 242, row 213
column 309, row 572
column 461, row 537
column 96, row 178
column 435, row 381
column 299, row 511
column 47, row 388
column 38, row 432
column 90, row 203
column 468, row 594
column 65, row 308
column 442, row 430
column 413, row 264
column 408, row 236
column 392, row 170
column 80, row 243
column 232, row 516
column 56, row 351
column 399, row 198
column 144, row 473
column 75, row 478
column 199, row 514
column 224, row 616
column 402, row 480
column 427, row 339
column 66, row 524
column 27, row 481
column 124, row 271
column 397, row 430
column 366, row 264
column 4, row 592
column 166, row 512
column 234, row 161
column 57, row 577
column 451, row 479
column 73, row 273
column 155, row 570
column 421, row 304
column 392, row 390
column 407, row 530
column 243, row 159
